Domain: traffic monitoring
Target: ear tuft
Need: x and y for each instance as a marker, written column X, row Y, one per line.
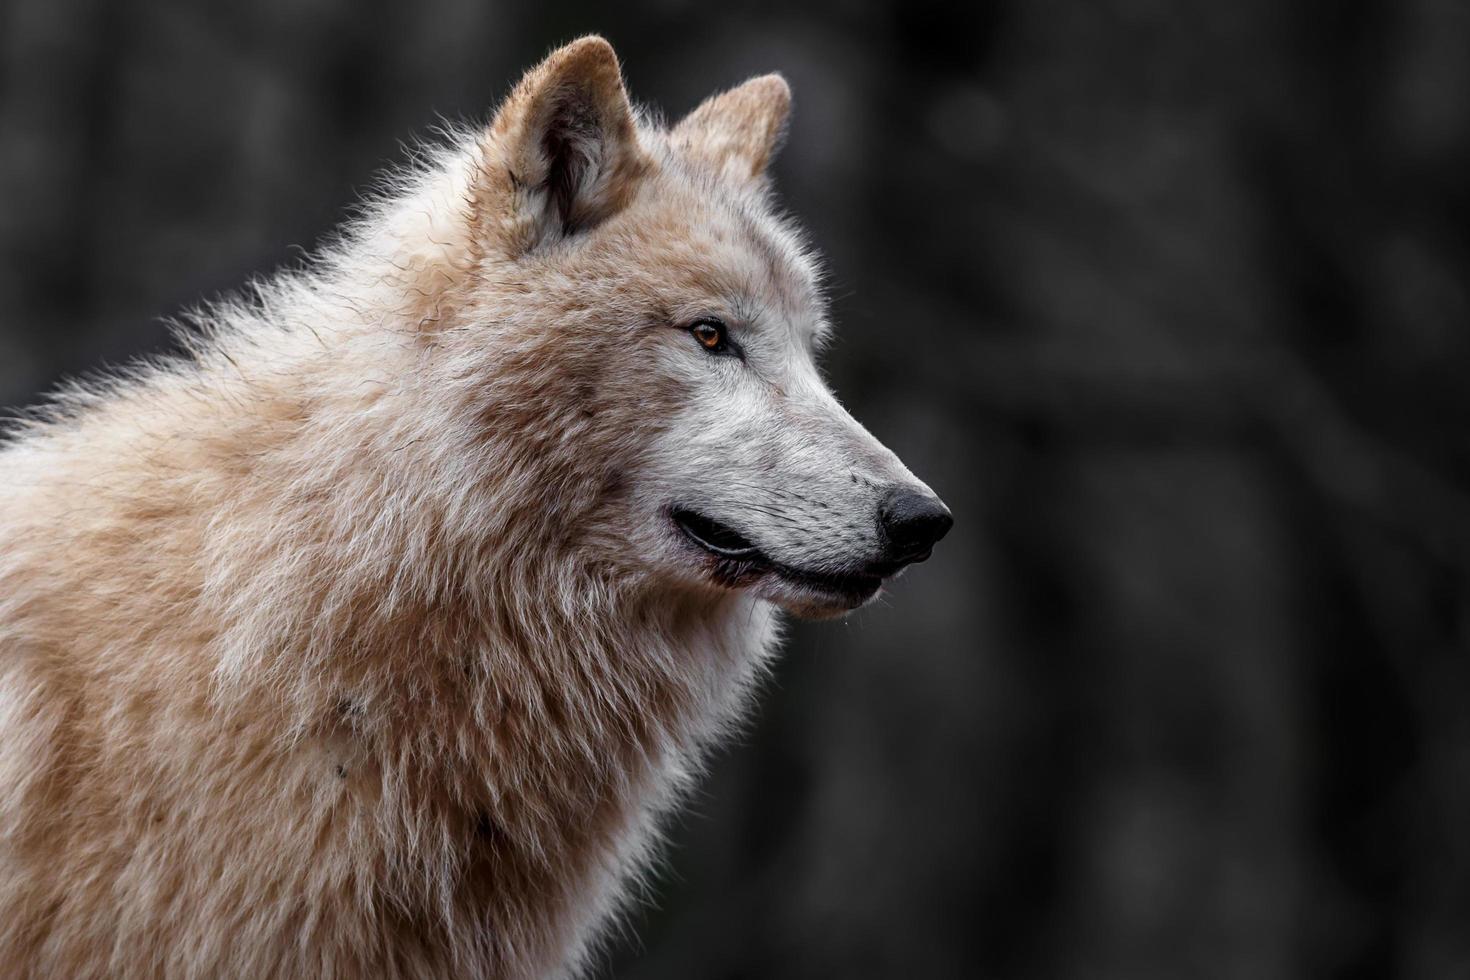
column 562, row 154
column 738, row 132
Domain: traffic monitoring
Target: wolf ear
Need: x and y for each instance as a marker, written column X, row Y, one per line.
column 563, row 152
column 737, row 132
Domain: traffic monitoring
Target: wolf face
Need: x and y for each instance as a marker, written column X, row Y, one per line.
column 690, row 316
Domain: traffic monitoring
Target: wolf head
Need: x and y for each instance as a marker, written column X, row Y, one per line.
column 660, row 324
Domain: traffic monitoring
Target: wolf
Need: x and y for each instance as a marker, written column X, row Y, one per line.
column 373, row 634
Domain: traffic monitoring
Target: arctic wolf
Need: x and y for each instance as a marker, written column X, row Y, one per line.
column 372, row 638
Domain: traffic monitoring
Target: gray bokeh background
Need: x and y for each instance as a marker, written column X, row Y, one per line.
column 1169, row 301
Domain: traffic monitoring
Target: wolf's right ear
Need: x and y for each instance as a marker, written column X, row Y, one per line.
column 736, row 133
column 562, row 154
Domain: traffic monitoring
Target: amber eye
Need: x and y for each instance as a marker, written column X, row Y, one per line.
column 710, row 334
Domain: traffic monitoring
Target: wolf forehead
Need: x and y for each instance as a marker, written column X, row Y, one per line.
column 695, row 238
column 738, row 253
column 574, row 176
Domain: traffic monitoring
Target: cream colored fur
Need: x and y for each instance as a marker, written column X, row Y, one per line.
column 358, row 643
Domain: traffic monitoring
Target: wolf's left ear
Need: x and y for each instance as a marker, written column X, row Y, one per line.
column 738, row 132
column 562, row 153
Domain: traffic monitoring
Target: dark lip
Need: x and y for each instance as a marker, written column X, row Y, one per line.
column 718, row 539
column 854, row 589
column 738, row 561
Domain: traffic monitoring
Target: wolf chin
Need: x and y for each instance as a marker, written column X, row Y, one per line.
column 372, row 636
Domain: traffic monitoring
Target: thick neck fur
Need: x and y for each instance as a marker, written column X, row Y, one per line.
column 336, row 593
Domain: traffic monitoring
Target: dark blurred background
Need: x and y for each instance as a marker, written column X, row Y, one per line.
column 1168, row 300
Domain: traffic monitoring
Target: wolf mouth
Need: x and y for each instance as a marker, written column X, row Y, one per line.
column 740, row 561
column 718, row 539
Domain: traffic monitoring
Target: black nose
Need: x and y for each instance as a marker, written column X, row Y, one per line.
column 912, row 522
